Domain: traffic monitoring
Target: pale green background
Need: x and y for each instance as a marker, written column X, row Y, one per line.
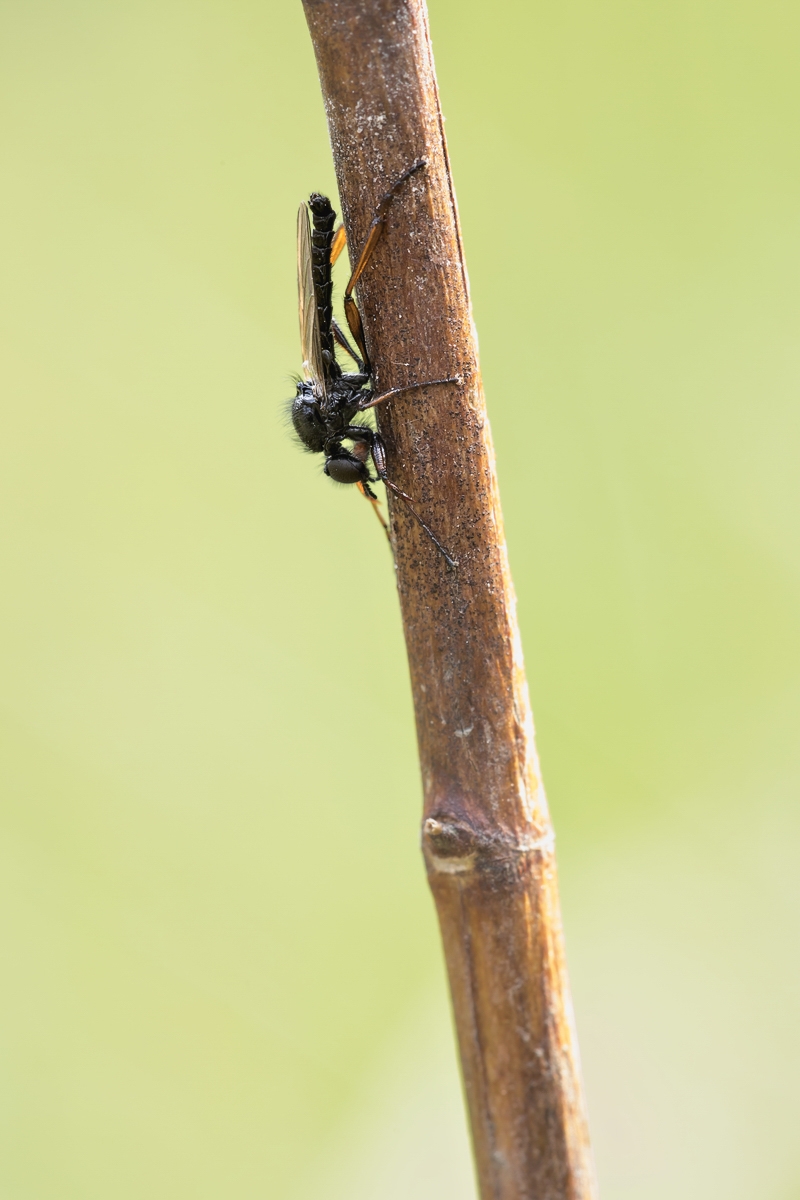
column 220, row 968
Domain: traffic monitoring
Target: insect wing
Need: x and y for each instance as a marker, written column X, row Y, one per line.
column 309, row 316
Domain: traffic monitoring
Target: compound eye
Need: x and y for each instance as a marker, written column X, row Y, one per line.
column 345, row 469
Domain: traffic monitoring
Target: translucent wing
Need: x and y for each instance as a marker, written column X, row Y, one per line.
column 309, row 317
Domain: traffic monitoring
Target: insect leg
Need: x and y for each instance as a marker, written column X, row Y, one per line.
column 343, row 342
column 378, row 452
column 338, row 244
column 373, row 237
column 368, row 494
column 407, row 387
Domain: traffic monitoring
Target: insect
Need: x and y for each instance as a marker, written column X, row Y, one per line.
column 328, row 401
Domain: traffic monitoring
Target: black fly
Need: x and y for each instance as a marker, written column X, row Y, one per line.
column 328, row 400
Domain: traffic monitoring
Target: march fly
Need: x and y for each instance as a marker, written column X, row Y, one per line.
column 328, row 402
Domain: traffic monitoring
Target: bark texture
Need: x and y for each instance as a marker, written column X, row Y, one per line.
column 486, row 832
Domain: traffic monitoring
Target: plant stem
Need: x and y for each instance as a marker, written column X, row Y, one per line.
column 486, row 834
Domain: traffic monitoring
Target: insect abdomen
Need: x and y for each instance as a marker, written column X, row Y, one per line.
column 321, row 243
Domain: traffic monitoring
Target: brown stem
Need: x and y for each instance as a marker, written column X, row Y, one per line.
column 487, row 837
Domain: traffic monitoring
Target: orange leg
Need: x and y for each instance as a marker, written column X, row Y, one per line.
column 376, row 509
column 373, row 237
column 338, row 244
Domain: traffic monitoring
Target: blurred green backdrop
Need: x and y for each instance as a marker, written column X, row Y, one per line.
column 220, row 965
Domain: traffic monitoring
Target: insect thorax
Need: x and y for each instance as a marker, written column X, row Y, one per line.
column 306, row 418
column 316, row 419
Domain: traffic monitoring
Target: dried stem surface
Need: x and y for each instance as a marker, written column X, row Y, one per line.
column 487, row 837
